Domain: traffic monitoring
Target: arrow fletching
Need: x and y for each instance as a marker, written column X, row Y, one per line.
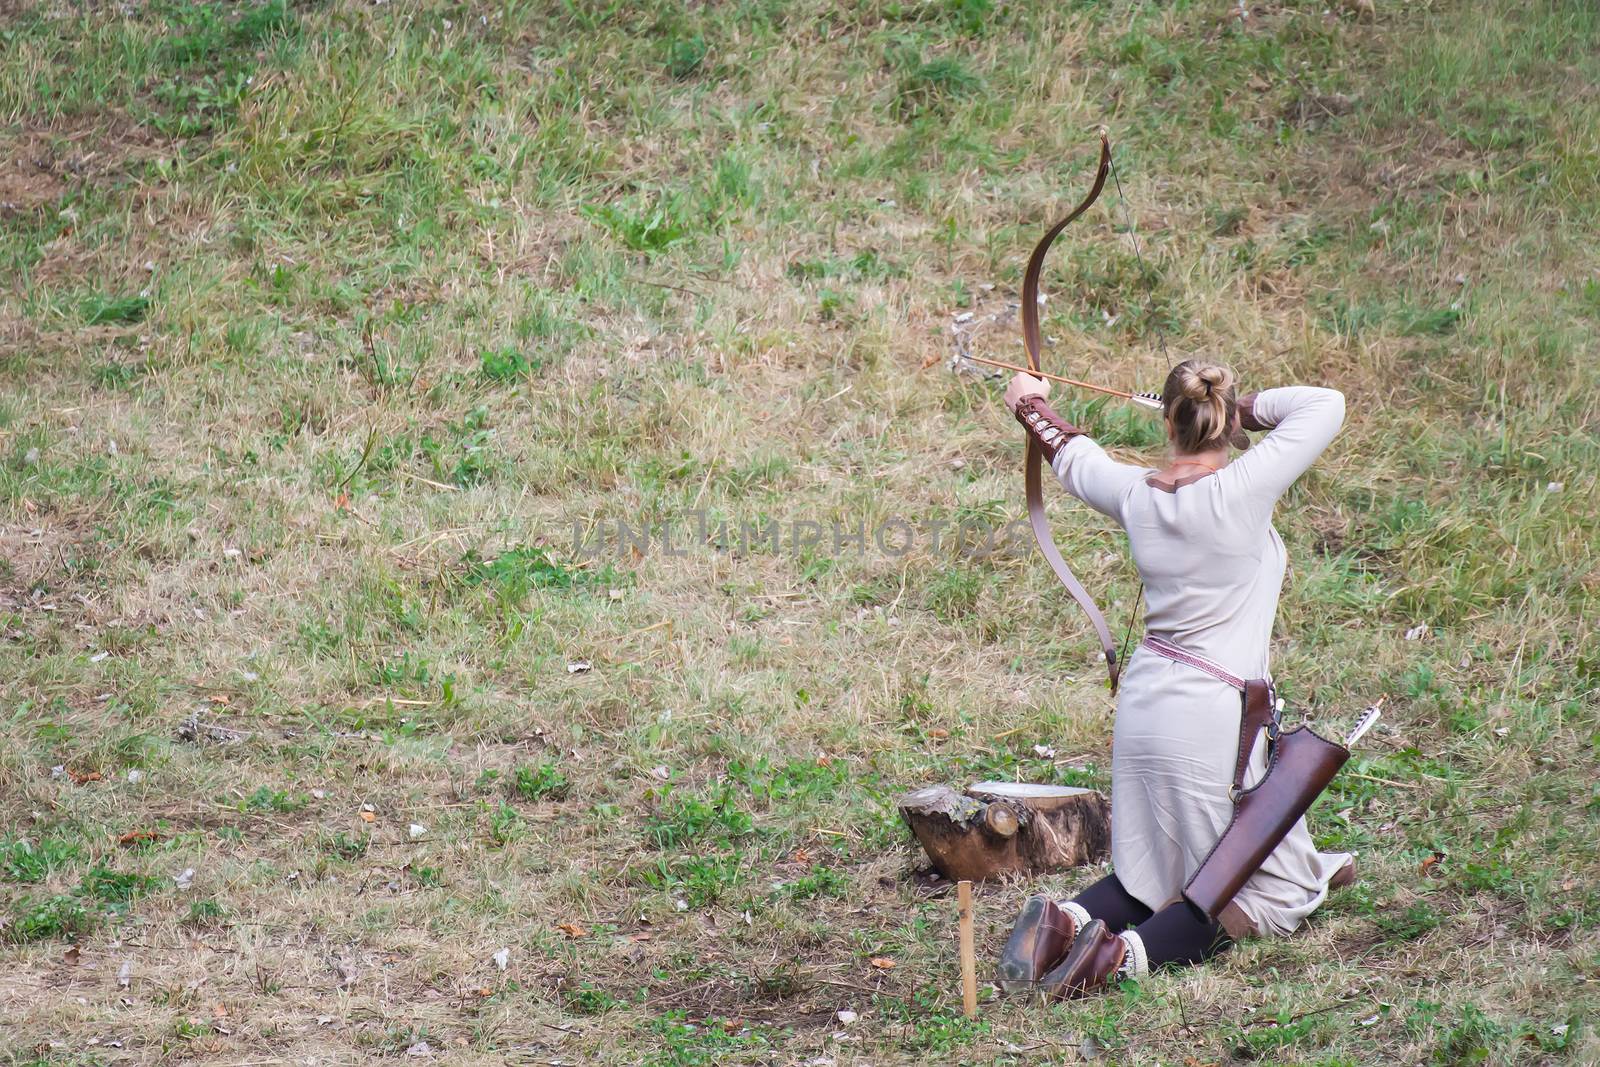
column 1370, row 719
column 1145, row 400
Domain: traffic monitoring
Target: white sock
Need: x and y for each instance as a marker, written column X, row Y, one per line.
column 1076, row 910
column 1136, row 962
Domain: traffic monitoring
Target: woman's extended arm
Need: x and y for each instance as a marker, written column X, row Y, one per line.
column 1082, row 467
column 1300, row 421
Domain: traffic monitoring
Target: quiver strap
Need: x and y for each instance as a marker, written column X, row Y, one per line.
column 1260, row 712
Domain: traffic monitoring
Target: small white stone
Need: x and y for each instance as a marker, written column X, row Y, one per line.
column 847, row 1016
column 416, row 830
column 502, row 958
column 135, row 776
column 184, row 878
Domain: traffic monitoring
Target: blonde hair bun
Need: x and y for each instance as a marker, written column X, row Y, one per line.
column 1202, row 381
column 1199, row 400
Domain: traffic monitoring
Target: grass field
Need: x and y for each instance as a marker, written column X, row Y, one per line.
column 327, row 325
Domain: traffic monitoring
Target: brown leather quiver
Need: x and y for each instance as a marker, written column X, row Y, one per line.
column 1299, row 767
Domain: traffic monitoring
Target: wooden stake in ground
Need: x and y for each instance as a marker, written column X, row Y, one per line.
column 969, row 962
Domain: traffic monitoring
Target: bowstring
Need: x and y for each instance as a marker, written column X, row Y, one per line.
column 1133, row 237
column 1161, row 342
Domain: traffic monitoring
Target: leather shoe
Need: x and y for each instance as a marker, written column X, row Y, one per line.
column 1042, row 935
column 1090, row 964
column 1344, row 876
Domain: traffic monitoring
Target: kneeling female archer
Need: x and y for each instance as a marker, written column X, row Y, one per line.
column 1200, row 530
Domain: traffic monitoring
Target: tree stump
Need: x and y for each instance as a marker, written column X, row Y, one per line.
column 996, row 828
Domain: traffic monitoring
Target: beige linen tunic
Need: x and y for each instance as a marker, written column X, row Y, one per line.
column 1212, row 566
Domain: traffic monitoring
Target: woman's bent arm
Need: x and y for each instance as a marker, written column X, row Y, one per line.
column 1301, row 420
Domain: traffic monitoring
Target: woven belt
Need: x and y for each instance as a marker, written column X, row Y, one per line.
column 1177, row 654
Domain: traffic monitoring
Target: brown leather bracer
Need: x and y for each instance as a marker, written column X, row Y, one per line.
column 1049, row 430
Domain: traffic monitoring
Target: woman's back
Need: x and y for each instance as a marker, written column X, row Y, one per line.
column 1211, row 562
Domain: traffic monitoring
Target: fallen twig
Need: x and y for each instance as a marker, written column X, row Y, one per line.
column 431, row 482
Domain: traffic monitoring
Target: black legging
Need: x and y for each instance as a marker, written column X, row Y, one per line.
column 1107, row 901
column 1178, row 933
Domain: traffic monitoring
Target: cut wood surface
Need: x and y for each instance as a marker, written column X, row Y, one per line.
column 996, row 828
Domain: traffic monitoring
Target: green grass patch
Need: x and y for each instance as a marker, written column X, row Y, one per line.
column 109, row 886
column 539, row 781
column 102, row 310
column 51, row 918
column 683, row 817
column 29, row 861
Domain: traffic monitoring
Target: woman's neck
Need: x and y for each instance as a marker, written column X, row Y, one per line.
column 1190, row 463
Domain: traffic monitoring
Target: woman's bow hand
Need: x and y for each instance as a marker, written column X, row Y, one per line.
column 1025, row 385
